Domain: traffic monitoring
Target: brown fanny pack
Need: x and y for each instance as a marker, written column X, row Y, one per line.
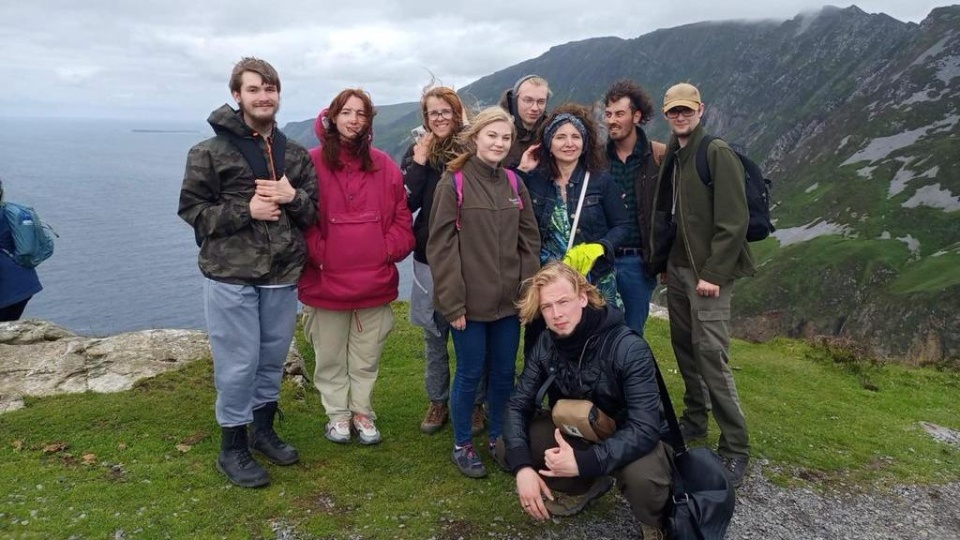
column 581, row 418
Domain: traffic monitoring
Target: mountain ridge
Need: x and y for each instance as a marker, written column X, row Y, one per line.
column 855, row 116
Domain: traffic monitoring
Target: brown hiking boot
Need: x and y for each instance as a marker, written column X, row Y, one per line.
column 568, row 505
column 435, row 419
column 651, row 533
column 478, row 422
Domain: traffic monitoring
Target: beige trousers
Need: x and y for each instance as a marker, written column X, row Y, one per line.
column 347, row 345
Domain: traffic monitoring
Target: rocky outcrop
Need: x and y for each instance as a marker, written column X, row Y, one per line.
column 38, row 358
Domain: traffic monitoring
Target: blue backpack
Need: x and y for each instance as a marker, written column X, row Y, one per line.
column 32, row 239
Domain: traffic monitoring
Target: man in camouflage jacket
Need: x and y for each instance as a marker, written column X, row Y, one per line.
column 249, row 193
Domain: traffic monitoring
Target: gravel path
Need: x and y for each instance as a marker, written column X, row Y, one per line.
column 769, row 512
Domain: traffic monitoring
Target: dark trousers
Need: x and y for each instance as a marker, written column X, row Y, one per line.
column 645, row 483
column 13, row 311
column 700, row 334
column 483, row 348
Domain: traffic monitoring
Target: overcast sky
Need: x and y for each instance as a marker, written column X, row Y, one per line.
column 171, row 59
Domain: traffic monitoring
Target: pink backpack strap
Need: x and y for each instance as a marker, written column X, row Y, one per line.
column 458, row 187
column 512, row 176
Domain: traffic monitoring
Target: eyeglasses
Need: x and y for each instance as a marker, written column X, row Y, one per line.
column 446, row 114
column 676, row 112
column 529, row 101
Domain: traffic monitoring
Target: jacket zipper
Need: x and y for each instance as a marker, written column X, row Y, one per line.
column 580, row 360
column 677, row 189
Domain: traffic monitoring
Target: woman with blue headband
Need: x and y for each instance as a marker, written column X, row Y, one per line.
column 579, row 209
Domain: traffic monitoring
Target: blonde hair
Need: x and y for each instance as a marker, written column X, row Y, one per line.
column 529, row 303
column 535, row 80
column 483, row 119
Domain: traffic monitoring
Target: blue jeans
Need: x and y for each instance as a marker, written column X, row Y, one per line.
column 635, row 290
column 483, row 347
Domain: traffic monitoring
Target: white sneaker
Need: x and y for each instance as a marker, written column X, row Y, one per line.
column 338, row 431
column 366, row 430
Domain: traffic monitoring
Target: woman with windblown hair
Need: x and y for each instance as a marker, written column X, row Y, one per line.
column 351, row 276
column 443, row 118
column 483, row 243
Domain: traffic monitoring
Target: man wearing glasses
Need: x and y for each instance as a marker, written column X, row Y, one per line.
column 709, row 252
column 527, row 102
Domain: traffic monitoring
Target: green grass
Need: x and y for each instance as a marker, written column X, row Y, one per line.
column 929, row 275
column 121, row 469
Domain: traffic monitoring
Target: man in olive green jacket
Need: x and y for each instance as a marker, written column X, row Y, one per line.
column 709, row 252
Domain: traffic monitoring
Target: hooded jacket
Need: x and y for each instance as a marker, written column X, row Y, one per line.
column 525, row 137
column 477, row 270
column 215, row 200
column 620, row 380
column 363, row 230
column 711, row 232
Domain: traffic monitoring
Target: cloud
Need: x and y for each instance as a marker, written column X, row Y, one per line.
column 172, row 59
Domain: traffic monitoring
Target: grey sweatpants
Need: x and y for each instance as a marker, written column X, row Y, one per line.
column 250, row 332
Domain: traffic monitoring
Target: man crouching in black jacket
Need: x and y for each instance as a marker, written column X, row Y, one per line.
column 592, row 355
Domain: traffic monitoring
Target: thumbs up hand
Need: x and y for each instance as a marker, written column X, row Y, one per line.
column 560, row 460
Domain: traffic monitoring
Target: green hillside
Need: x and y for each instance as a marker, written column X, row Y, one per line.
column 140, row 464
column 855, row 117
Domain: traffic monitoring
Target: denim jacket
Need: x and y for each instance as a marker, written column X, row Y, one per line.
column 604, row 218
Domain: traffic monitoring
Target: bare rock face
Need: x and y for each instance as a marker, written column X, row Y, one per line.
column 38, row 358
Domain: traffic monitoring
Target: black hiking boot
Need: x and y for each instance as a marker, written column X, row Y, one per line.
column 235, row 461
column 265, row 440
column 736, row 469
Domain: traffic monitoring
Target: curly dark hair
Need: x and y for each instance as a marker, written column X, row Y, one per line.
column 592, row 158
column 639, row 100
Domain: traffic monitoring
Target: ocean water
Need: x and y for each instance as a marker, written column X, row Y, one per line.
column 124, row 260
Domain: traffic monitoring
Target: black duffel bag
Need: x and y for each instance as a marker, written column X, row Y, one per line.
column 703, row 500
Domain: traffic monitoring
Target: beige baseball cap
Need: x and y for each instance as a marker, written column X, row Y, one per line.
column 681, row 95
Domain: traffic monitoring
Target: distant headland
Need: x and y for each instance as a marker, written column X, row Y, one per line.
column 142, row 130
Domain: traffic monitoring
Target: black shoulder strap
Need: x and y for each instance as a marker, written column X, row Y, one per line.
column 254, row 156
column 679, row 446
column 703, row 168
column 610, row 342
column 279, row 151
column 610, row 345
column 543, row 390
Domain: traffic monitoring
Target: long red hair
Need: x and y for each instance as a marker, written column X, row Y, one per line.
column 330, row 142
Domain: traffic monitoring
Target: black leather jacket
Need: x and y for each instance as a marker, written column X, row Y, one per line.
column 616, row 372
